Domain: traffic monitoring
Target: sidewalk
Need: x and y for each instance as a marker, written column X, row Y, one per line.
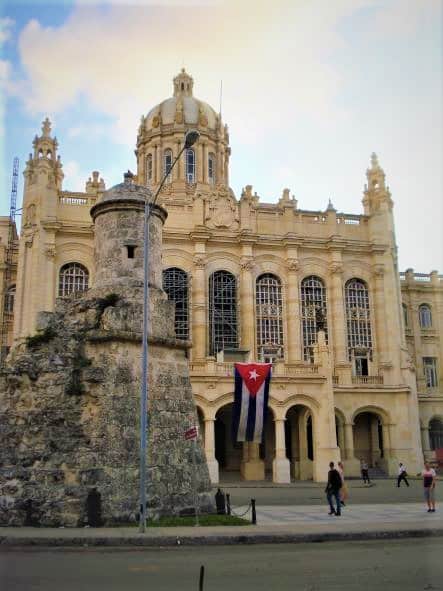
column 275, row 524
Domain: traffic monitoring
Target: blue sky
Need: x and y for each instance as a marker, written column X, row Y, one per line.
column 310, row 89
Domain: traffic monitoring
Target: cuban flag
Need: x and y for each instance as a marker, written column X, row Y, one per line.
column 250, row 400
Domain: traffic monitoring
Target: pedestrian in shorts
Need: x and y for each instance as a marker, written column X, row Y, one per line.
column 429, row 478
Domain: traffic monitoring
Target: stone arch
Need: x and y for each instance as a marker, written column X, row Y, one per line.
column 219, row 261
column 300, row 427
column 371, row 436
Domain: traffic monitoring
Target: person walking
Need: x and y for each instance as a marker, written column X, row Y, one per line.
column 332, row 489
column 429, row 478
column 402, row 474
column 344, row 486
column 364, row 471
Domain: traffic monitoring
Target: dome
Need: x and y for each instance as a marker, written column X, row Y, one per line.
column 183, row 107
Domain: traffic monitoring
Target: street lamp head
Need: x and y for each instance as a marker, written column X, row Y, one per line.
column 191, row 137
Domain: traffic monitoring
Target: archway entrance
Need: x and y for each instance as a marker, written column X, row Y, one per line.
column 436, row 438
column 300, row 447
column 368, row 439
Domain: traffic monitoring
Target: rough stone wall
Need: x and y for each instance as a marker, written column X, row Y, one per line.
column 69, row 404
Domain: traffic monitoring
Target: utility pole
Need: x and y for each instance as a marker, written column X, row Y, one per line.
column 8, row 298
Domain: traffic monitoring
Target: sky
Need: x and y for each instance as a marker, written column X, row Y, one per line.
column 310, row 89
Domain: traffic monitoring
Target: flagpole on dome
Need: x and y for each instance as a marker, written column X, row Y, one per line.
column 191, row 137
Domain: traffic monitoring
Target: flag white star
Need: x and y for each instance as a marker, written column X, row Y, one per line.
column 253, row 375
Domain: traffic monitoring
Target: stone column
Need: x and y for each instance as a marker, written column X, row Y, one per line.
column 425, row 442
column 176, row 171
column 157, row 163
column 280, row 464
column 390, row 461
column 204, row 163
column 247, row 316
column 337, row 321
column 254, row 468
column 199, row 164
column 375, row 446
column 352, row 466
column 380, row 317
column 210, row 450
column 50, row 277
column 199, row 309
column 294, row 346
column 305, row 464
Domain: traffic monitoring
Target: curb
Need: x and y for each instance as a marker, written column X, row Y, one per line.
column 215, row 540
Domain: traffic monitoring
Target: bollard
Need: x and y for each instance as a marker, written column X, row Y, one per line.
column 220, row 502
column 254, row 515
column 228, row 504
column 202, row 578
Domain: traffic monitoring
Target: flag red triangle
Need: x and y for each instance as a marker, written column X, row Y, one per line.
column 253, row 374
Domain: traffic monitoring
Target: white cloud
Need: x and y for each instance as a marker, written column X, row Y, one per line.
column 6, row 25
column 74, row 179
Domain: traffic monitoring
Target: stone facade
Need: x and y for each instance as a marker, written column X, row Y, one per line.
column 352, row 395
column 70, row 394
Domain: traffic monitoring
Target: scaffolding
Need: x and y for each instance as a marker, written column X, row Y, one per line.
column 11, row 249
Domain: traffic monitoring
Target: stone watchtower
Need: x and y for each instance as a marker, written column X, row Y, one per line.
column 71, row 392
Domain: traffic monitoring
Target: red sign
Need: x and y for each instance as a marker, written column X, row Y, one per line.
column 191, row 433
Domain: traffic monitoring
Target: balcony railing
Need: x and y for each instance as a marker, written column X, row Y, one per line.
column 227, row 369
column 370, row 380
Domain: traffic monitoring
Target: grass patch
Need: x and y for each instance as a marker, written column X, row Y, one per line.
column 40, row 338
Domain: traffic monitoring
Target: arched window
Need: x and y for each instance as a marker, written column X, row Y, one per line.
column 223, row 330
column 167, row 163
column 405, row 315
column 211, row 168
column 175, row 284
column 190, row 165
column 73, row 277
column 425, row 316
column 313, row 313
column 149, row 169
column 269, row 317
column 436, row 434
column 358, row 323
column 9, row 300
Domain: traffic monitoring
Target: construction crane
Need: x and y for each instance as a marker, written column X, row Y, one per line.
column 11, row 247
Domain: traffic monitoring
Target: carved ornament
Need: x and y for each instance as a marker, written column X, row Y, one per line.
column 50, row 251
column 293, row 265
column 199, row 261
column 379, row 270
column 336, row 268
column 221, row 209
column 247, row 263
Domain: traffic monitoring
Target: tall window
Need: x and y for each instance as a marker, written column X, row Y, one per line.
column 190, row 165
column 269, row 312
column 405, row 315
column 223, row 330
column 436, row 434
column 9, row 300
column 175, row 284
column 313, row 311
column 167, row 164
column 149, row 169
column 425, row 316
column 430, row 371
column 211, row 168
column 358, row 322
column 73, row 277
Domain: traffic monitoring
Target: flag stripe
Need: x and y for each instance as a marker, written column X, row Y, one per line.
column 244, row 413
column 251, row 418
column 257, row 436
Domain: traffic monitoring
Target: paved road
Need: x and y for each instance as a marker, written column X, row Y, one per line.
column 312, row 493
column 406, row 565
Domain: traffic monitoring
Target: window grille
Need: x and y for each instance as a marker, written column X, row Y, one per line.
column 149, row 168
column 313, row 304
column 167, row 164
column 175, row 284
column 9, row 300
column 269, row 317
column 425, row 316
column 358, row 319
column 211, row 169
column 223, row 330
column 73, row 277
column 190, row 165
column 430, row 371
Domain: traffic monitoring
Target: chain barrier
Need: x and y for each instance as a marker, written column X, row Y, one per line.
column 240, row 514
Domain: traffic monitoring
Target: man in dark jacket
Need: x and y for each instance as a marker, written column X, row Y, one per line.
column 332, row 489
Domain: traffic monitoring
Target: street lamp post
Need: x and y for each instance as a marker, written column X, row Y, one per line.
column 190, row 138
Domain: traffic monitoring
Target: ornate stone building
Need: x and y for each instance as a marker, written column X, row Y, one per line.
column 318, row 293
